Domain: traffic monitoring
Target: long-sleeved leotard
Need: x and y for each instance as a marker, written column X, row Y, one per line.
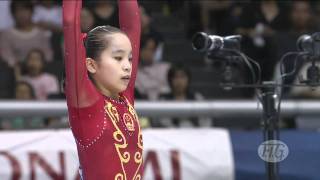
column 107, row 132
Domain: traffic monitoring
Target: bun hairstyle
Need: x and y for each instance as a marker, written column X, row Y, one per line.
column 97, row 40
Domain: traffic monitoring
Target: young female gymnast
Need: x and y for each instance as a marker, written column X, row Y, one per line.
column 100, row 75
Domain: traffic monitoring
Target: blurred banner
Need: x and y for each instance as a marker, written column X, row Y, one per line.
column 188, row 154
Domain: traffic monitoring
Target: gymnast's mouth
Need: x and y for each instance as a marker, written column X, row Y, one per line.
column 126, row 78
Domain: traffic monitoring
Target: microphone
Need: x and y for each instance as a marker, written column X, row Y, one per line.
column 201, row 41
column 310, row 44
column 313, row 76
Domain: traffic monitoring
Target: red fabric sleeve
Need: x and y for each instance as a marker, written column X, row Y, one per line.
column 129, row 19
column 79, row 89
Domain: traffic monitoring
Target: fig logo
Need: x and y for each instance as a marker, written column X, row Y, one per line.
column 273, row 151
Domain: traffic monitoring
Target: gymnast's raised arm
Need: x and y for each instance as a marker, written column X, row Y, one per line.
column 129, row 19
column 80, row 91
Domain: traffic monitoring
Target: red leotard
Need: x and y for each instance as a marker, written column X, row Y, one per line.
column 107, row 132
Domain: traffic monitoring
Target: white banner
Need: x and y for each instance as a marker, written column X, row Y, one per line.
column 184, row 154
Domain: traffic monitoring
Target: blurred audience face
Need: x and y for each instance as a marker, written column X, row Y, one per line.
column 104, row 9
column 147, row 52
column 34, row 63
column 180, row 82
column 23, row 91
column 47, row 3
column 22, row 16
column 301, row 14
column 87, row 20
column 145, row 18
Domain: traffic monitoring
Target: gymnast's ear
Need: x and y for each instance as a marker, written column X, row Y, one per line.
column 91, row 65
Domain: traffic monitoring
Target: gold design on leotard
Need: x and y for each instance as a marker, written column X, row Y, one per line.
column 128, row 121
column 138, row 154
column 121, row 142
column 119, row 176
column 138, row 177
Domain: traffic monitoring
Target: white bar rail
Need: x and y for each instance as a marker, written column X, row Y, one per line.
column 219, row 108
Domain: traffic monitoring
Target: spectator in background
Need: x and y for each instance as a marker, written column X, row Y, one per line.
column 213, row 14
column 301, row 17
column 48, row 15
column 259, row 22
column 43, row 83
column 7, row 81
column 16, row 42
column 179, row 78
column 263, row 18
column 213, row 17
column 23, row 92
column 231, row 19
column 151, row 77
column 148, row 31
column 104, row 12
column 6, row 20
column 301, row 22
column 87, row 20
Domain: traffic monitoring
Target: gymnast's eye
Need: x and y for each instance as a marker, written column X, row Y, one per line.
column 130, row 57
column 118, row 58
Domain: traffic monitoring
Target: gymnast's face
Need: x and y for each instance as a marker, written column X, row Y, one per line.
column 112, row 71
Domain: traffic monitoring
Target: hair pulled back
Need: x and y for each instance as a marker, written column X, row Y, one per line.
column 97, row 40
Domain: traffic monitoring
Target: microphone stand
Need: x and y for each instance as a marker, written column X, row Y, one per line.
column 270, row 124
column 270, row 116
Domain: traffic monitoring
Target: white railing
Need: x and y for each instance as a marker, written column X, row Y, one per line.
column 225, row 108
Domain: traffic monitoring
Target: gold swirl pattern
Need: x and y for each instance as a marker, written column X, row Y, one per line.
column 138, row 160
column 125, row 157
column 138, row 155
column 119, row 176
column 138, row 177
column 119, row 137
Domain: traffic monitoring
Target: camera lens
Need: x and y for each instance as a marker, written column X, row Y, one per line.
column 200, row 41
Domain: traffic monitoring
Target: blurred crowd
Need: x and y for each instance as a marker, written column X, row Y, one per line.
column 31, row 51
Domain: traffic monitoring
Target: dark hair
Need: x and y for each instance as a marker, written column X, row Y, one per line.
column 43, row 57
column 25, row 4
column 146, row 39
column 43, row 61
column 96, row 40
column 174, row 69
column 28, row 85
